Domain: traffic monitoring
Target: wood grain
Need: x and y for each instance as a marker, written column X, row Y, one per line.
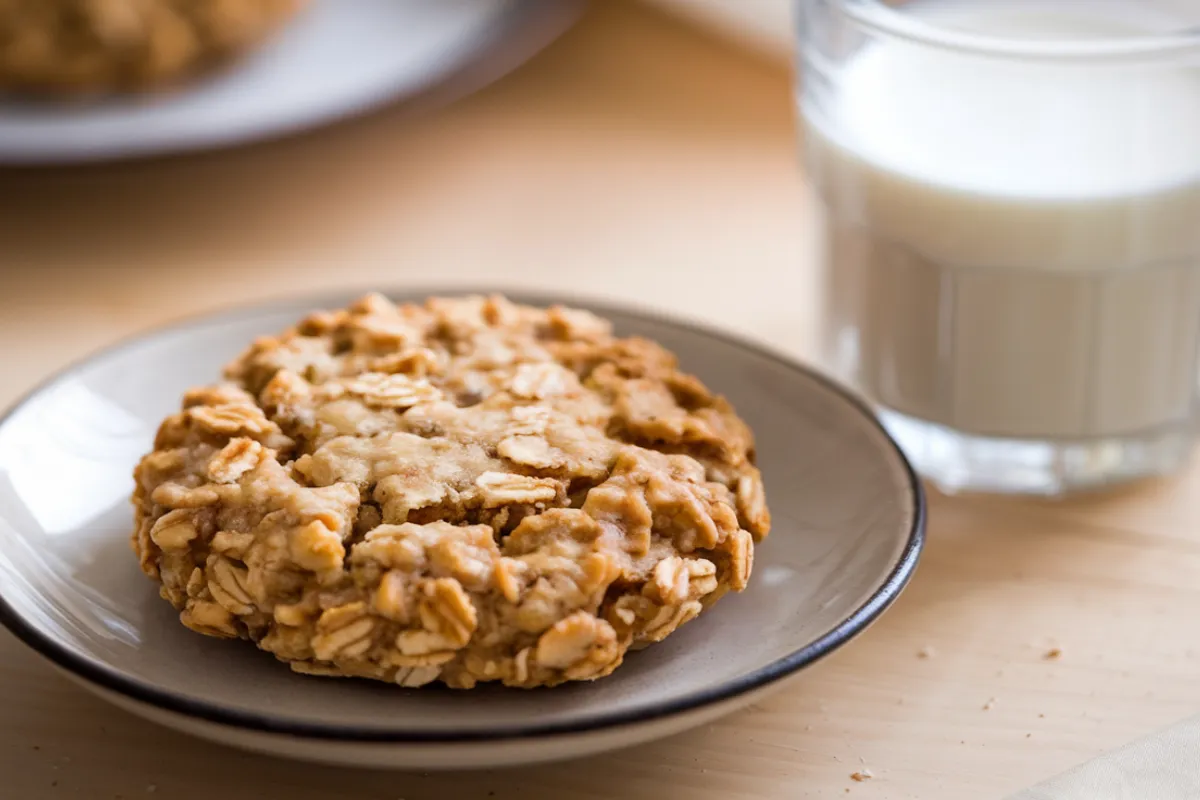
column 635, row 160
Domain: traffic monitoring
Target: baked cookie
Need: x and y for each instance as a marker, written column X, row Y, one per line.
column 103, row 45
column 469, row 490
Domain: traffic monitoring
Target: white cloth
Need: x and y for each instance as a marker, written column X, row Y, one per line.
column 763, row 25
column 1163, row 766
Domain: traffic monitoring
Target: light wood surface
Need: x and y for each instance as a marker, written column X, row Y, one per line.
column 634, row 159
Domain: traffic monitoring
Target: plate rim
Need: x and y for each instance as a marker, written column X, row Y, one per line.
column 107, row 677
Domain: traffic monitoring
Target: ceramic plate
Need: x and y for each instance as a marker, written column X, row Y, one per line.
column 848, row 527
column 336, row 59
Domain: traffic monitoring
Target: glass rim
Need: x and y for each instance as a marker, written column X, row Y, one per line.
column 881, row 19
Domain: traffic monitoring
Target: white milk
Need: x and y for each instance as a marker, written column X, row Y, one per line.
column 1014, row 247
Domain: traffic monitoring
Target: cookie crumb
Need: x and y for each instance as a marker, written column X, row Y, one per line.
column 927, row 652
column 1029, row 736
column 1041, row 716
column 990, row 704
column 1053, row 654
column 862, row 775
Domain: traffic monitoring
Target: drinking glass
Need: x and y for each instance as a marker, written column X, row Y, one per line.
column 1008, row 205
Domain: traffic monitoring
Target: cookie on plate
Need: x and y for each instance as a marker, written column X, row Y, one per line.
column 113, row 45
column 466, row 490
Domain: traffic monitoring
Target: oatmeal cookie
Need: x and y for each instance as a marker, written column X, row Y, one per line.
column 103, row 45
column 466, row 490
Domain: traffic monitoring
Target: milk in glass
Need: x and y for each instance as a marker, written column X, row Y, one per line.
column 1013, row 246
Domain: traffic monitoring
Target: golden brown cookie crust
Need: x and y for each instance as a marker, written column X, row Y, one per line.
column 467, row 490
column 102, row 45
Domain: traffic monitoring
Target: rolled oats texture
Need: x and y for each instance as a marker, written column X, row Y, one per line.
column 463, row 491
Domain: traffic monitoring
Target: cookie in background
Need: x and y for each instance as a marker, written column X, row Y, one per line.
column 90, row 46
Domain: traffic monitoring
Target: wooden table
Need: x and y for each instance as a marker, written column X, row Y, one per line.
column 635, row 159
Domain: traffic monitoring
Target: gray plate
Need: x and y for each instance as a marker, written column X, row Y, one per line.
column 338, row 58
column 848, row 527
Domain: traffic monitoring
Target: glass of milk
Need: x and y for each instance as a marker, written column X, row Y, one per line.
column 1008, row 199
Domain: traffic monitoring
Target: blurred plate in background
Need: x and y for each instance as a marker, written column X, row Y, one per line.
column 339, row 58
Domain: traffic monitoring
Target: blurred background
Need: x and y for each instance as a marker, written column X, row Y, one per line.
column 647, row 153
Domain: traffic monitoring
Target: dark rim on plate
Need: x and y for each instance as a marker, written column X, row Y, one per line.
column 105, row 677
